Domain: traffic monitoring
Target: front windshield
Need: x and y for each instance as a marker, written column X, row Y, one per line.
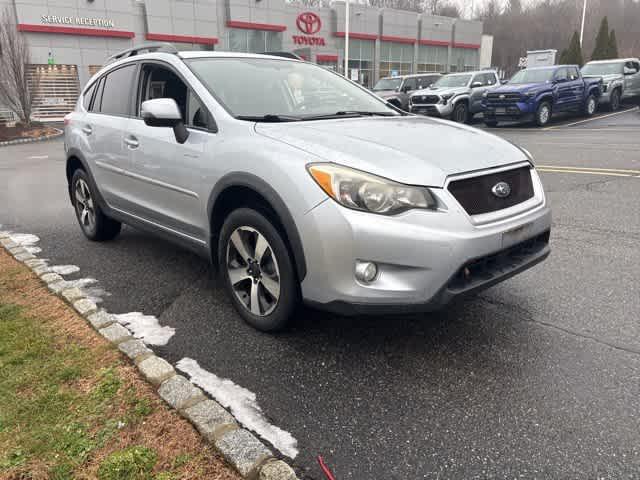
column 537, row 75
column 612, row 68
column 290, row 90
column 453, row 81
column 387, row 84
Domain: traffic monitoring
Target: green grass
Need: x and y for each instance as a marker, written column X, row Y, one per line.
column 46, row 418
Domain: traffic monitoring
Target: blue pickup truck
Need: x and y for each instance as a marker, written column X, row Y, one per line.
column 535, row 94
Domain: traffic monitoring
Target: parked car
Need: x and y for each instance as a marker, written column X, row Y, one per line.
column 538, row 93
column 357, row 208
column 396, row 90
column 620, row 79
column 457, row 96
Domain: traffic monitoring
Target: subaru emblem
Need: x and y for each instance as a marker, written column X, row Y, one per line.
column 501, row 190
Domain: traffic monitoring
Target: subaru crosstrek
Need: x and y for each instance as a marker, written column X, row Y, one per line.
column 309, row 188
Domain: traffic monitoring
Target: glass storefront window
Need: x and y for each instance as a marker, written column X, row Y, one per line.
column 395, row 58
column 432, row 58
column 360, row 58
column 254, row 41
column 464, row 59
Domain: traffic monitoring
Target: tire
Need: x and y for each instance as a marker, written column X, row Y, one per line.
column 614, row 100
column 95, row 225
column 460, row 113
column 271, row 278
column 491, row 123
column 543, row 114
column 590, row 106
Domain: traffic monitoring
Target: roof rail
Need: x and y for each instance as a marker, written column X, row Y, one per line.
column 144, row 48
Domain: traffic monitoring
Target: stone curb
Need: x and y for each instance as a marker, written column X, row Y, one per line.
column 19, row 141
column 241, row 448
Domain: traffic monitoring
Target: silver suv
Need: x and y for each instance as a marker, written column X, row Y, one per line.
column 310, row 188
column 620, row 79
column 457, row 96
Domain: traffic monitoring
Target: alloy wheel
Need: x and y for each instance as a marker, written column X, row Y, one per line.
column 253, row 271
column 84, row 205
column 544, row 114
column 591, row 106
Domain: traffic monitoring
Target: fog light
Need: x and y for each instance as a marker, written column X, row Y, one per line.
column 366, row 271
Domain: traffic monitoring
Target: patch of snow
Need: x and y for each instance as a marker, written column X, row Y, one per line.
column 24, row 239
column 242, row 404
column 146, row 327
column 65, row 269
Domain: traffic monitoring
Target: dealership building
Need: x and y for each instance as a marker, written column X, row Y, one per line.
column 71, row 39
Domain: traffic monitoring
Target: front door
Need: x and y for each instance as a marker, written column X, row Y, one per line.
column 168, row 175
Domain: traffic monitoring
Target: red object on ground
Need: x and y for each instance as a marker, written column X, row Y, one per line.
column 325, row 469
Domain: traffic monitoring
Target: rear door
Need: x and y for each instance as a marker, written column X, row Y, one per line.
column 564, row 90
column 103, row 127
column 632, row 82
column 577, row 87
column 488, row 81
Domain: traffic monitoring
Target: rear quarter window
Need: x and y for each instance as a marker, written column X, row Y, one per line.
column 88, row 96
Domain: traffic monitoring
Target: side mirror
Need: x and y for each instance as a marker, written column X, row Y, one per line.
column 164, row 112
column 476, row 84
column 504, row 82
column 406, row 88
column 629, row 71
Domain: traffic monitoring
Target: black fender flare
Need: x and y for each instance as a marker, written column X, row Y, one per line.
column 74, row 153
column 247, row 180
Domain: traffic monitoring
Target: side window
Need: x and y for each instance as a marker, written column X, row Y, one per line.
column 161, row 82
column 491, row 79
column 97, row 98
column 561, row 74
column 478, row 78
column 634, row 65
column 88, row 96
column 572, row 73
column 116, row 94
column 409, row 84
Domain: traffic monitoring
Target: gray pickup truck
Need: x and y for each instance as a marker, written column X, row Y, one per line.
column 396, row 90
column 457, row 96
column 620, row 79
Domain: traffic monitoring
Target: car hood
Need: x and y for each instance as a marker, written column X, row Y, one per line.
column 605, row 78
column 441, row 91
column 520, row 87
column 410, row 150
column 386, row 93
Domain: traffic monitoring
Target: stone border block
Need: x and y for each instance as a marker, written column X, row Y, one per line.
column 41, row 270
column 155, row 369
column 35, row 262
column 115, row 333
column 210, row 419
column 58, row 286
column 180, row 393
column 276, row 470
column 101, row 319
column 72, row 294
column 51, row 277
column 85, row 307
column 243, row 450
column 135, row 349
column 8, row 243
column 21, row 257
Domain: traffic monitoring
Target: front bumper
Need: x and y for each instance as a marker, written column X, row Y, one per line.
column 421, row 255
column 433, row 110
column 509, row 111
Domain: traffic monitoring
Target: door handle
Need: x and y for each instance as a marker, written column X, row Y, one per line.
column 131, row 142
column 87, row 129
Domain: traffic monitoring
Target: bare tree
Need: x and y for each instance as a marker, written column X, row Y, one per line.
column 15, row 91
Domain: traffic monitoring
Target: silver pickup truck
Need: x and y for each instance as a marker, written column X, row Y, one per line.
column 457, row 96
column 620, row 79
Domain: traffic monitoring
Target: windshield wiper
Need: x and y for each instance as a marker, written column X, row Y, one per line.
column 350, row 113
column 269, row 118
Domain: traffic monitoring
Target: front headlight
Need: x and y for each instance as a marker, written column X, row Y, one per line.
column 446, row 98
column 369, row 193
column 530, row 94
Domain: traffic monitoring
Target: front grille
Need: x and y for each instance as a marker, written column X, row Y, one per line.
column 425, row 99
column 482, row 270
column 476, row 197
column 503, row 97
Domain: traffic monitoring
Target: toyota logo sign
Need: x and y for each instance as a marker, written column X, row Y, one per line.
column 309, row 23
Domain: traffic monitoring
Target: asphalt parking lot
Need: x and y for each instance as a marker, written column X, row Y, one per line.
column 538, row 377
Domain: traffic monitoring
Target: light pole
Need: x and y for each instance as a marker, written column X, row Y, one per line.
column 346, row 39
column 584, row 14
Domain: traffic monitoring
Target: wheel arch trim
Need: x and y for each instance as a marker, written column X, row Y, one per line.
column 74, row 153
column 262, row 188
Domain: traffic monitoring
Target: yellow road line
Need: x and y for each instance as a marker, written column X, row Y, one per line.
column 597, row 169
column 587, row 172
column 555, row 127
